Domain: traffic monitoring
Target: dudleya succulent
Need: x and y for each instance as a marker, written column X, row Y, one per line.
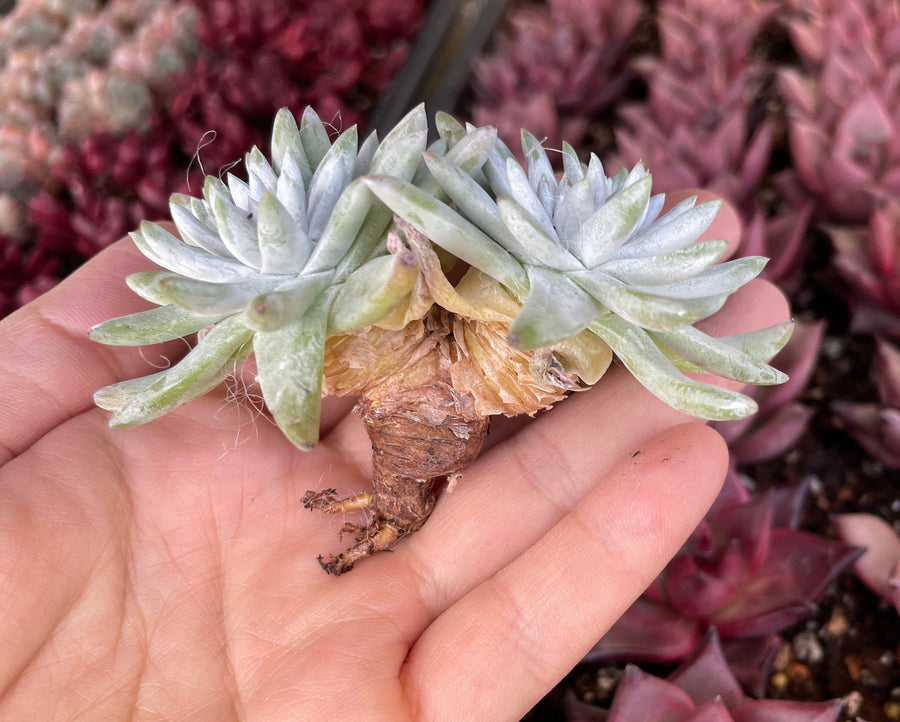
column 588, row 251
column 322, row 266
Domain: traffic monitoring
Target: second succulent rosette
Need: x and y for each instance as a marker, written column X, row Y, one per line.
column 586, row 253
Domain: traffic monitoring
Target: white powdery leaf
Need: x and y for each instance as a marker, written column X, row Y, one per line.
column 333, row 174
column 236, row 230
column 523, row 194
column 166, row 250
column 680, row 227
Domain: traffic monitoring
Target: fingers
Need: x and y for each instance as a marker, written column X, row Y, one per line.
column 49, row 369
column 527, row 625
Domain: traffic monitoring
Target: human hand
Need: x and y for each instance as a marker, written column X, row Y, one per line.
column 169, row 571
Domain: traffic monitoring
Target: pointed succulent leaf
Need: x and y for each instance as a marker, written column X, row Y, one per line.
column 449, row 230
column 554, row 309
column 315, row 141
column 286, row 142
column 574, row 208
column 240, row 192
column 536, row 160
column 448, row 127
column 372, row 291
column 146, row 285
column 539, row 248
column 654, row 371
column 365, row 154
column 724, row 278
column 650, row 311
column 291, row 191
column 524, row 195
column 194, row 231
column 353, row 230
column 155, row 325
column 283, row 246
column 170, row 252
column 672, row 232
column 198, row 372
column 289, row 363
column 208, row 298
column 667, row 267
column 612, row 223
column 764, row 343
column 332, row 175
column 236, row 230
column 723, row 359
column 400, row 152
column 111, row 397
column 573, row 169
column 467, row 156
column 285, row 303
column 262, row 177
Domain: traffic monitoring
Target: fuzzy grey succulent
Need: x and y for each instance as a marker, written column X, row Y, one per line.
column 587, row 251
column 272, row 264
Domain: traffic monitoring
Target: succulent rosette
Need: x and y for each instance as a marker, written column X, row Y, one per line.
column 596, row 254
column 272, row 265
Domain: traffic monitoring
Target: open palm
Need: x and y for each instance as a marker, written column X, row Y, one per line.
column 169, row 571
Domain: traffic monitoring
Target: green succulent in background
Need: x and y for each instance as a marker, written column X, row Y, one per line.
column 587, row 251
column 270, row 265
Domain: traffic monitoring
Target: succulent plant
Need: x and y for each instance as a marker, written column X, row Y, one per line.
column 746, row 570
column 693, row 129
column 868, row 259
column 591, row 252
column 876, row 426
column 322, row 266
column 553, row 67
column 702, row 688
column 843, row 109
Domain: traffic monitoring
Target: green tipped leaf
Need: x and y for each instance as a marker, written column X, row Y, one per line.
column 644, row 309
column 286, row 141
column 722, row 359
column 315, row 141
column 289, row 362
column 668, row 267
column 724, row 278
column 536, row 160
column 449, row 230
column 372, row 291
column 285, row 304
column 283, row 246
column 153, row 326
column 611, row 224
column 763, row 343
column 330, row 179
column 194, row 231
column 649, row 365
column 236, row 230
column 672, row 232
column 170, row 252
column 448, row 127
column 351, row 214
column 198, row 372
column 540, row 248
column 212, row 298
column 400, row 152
column 555, row 309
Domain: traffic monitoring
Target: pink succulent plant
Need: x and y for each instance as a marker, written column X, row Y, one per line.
column 702, row 689
column 879, row 567
column 844, row 107
column 746, row 570
column 781, row 419
column 876, row 426
column 868, row 259
column 553, row 67
column 693, row 130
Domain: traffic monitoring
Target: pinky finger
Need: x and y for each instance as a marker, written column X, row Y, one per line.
column 501, row 647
